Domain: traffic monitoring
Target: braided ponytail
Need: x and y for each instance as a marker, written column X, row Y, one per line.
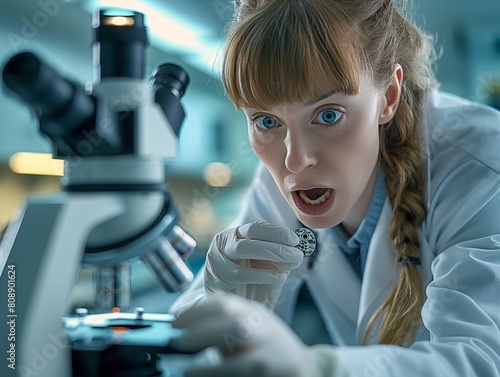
column 402, row 165
column 401, row 154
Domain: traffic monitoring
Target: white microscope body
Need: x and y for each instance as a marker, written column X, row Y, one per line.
column 114, row 206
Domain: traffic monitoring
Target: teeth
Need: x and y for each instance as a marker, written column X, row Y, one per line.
column 323, row 198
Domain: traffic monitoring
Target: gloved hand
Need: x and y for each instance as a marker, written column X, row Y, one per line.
column 252, row 340
column 252, row 261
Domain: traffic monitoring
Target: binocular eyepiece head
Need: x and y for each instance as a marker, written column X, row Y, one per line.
column 65, row 111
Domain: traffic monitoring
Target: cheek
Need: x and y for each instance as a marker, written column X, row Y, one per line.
column 267, row 146
column 368, row 141
column 356, row 149
column 356, row 155
column 257, row 146
column 270, row 157
column 365, row 137
column 366, row 158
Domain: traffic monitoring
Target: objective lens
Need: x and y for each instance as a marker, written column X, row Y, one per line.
column 170, row 270
column 113, row 284
column 181, row 241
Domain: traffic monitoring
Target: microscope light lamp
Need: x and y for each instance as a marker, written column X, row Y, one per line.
column 119, row 21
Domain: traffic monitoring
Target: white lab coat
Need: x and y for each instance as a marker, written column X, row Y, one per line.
column 460, row 255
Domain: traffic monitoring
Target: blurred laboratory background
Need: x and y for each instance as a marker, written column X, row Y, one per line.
column 215, row 162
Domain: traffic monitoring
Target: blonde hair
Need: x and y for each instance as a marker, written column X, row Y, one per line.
column 296, row 50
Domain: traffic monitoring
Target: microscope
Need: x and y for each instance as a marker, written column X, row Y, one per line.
column 114, row 206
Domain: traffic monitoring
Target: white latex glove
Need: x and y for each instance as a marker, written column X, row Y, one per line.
column 252, row 261
column 253, row 341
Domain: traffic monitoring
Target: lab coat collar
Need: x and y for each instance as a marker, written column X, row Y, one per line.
column 341, row 288
column 341, row 283
column 380, row 275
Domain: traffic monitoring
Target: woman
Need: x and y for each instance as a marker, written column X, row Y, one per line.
column 400, row 183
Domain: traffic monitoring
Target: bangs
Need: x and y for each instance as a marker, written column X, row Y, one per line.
column 288, row 51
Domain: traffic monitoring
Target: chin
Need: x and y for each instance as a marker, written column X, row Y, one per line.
column 318, row 222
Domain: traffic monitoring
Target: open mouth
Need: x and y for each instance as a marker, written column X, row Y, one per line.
column 315, row 196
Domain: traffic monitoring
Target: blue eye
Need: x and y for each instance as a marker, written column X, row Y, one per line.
column 328, row 116
column 265, row 122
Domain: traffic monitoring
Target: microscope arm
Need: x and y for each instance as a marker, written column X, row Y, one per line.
column 46, row 244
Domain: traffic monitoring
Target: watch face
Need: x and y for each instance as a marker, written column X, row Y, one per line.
column 307, row 241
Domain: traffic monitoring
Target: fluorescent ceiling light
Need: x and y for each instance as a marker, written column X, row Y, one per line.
column 36, row 163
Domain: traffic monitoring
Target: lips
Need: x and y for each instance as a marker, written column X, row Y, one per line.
column 314, row 201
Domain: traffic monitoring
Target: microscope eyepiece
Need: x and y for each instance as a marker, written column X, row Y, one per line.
column 21, row 70
column 170, row 82
column 41, row 86
column 120, row 44
column 59, row 104
column 170, row 77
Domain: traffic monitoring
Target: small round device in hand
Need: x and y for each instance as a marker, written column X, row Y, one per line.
column 307, row 241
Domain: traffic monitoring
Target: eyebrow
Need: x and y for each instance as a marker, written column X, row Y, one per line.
column 321, row 97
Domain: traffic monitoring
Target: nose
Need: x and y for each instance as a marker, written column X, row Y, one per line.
column 301, row 151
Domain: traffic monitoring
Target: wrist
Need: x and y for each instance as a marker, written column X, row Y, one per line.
column 324, row 361
column 312, row 362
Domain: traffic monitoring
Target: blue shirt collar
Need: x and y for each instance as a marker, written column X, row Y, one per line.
column 363, row 235
column 365, row 231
